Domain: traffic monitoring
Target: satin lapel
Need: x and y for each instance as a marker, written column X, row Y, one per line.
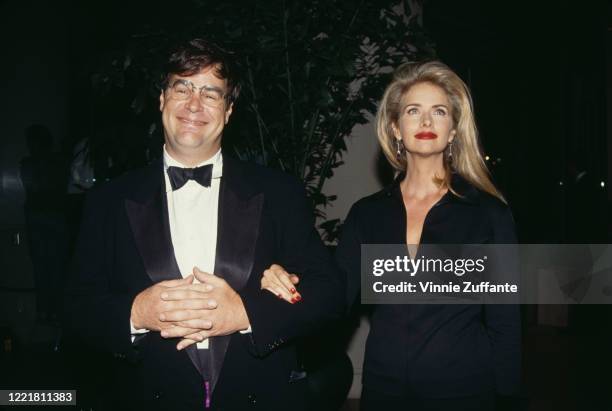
column 238, row 229
column 148, row 215
column 149, row 222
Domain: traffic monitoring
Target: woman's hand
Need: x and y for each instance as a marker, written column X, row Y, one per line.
column 280, row 283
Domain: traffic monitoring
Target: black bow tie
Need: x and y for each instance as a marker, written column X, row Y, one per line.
column 179, row 176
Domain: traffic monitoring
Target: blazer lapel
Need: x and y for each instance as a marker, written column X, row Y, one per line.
column 240, row 206
column 148, row 215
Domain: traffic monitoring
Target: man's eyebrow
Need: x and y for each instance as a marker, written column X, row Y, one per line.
column 205, row 86
column 212, row 88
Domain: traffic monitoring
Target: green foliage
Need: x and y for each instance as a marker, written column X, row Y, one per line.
column 312, row 70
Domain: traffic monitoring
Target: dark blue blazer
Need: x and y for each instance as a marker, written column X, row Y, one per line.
column 125, row 247
column 435, row 351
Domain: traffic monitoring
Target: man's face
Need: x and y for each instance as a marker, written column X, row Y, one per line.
column 193, row 123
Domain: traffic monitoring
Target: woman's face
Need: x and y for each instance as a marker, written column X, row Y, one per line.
column 425, row 123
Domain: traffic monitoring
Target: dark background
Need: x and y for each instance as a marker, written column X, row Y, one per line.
column 541, row 77
column 538, row 75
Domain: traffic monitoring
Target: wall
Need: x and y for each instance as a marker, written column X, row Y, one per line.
column 34, row 73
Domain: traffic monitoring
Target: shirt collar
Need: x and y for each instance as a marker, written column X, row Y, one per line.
column 169, row 161
column 216, row 160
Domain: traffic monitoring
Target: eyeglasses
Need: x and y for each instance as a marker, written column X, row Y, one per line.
column 210, row 96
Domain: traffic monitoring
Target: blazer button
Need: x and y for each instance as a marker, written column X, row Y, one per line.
column 158, row 395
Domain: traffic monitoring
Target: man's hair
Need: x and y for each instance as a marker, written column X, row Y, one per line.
column 190, row 57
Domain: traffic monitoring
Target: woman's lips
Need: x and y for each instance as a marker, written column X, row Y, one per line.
column 426, row 135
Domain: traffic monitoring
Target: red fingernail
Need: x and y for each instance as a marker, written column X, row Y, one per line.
column 293, row 301
column 298, row 297
column 292, row 291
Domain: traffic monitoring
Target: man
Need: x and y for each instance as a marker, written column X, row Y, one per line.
column 169, row 262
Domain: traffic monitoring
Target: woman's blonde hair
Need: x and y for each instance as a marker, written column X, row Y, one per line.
column 467, row 159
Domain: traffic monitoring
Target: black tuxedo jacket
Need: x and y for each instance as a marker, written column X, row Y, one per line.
column 125, row 247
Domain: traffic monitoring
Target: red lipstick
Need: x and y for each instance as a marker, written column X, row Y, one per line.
column 426, row 135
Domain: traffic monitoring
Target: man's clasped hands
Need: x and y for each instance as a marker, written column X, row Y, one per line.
column 193, row 310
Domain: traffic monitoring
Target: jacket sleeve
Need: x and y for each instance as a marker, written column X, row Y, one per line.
column 348, row 258
column 503, row 321
column 94, row 312
column 274, row 321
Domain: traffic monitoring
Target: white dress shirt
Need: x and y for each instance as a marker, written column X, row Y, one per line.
column 193, row 215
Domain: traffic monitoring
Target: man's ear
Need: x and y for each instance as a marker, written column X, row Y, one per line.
column 162, row 101
column 228, row 112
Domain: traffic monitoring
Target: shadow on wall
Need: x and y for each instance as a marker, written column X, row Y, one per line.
column 384, row 172
column 44, row 175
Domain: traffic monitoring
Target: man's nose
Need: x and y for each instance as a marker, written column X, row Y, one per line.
column 194, row 103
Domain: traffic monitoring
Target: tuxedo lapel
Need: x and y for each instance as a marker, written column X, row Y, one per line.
column 148, row 215
column 237, row 229
column 240, row 206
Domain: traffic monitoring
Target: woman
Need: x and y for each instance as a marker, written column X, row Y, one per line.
column 430, row 357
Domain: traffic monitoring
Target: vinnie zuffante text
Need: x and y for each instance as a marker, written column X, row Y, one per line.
column 459, row 267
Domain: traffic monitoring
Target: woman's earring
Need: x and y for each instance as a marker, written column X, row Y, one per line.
column 399, row 151
column 449, row 155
